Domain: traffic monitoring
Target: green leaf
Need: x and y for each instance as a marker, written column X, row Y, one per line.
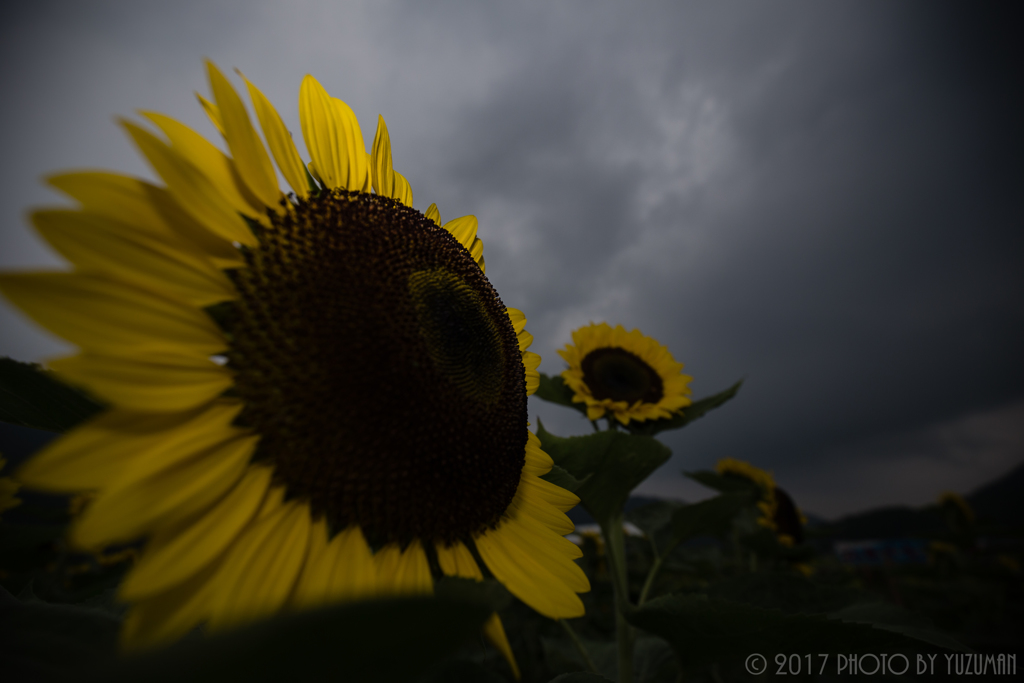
column 703, row 630
column 487, row 593
column 893, row 618
column 788, row 592
column 559, row 476
column 685, row 416
column 555, row 390
column 668, row 523
column 32, row 397
column 579, row 677
column 711, row 517
column 653, row 660
column 609, row 465
column 387, row 640
column 40, row 640
column 725, row 484
column 460, row 671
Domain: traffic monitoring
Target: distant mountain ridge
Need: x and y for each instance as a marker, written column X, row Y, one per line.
column 999, row 506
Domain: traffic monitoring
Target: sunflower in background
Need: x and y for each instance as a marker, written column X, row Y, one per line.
column 960, row 518
column 311, row 393
column 8, row 490
column 958, row 506
column 778, row 511
column 623, row 374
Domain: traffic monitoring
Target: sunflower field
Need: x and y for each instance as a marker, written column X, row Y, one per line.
column 293, row 444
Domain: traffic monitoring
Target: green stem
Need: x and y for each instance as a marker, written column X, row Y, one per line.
column 659, row 560
column 615, row 547
column 651, row 575
column 584, row 655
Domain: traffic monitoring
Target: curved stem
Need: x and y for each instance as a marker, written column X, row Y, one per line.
column 659, row 559
column 651, row 575
column 580, row 648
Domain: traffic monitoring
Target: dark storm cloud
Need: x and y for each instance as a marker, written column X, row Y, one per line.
column 823, row 198
column 864, row 273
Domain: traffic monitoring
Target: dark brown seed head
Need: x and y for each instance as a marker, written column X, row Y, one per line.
column 616, row 374
column 380, row 369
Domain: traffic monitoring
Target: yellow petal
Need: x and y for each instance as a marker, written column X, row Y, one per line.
column 280, row 142
column 535, row 455
column 218, row 168
column 146, row 207
column 109, row 317
column 249, row 154
column 525, row 339
column 476, row 250
column 311, row 589
column 526, row 578
column 458, row 561
column 168, row 616
column 315, row 175
column 544, row 512
column 495, row 634
column 316, row 116
column 463, row 229
column 212, row 112
column 135, row 506
column 351, row 566
column 358, row 162
column 333, row 138
column 531, row 361
column 273, row 501
column 548, row 549
column 173, row 555
column 207, row 202
column 98, row 452
column 386, row 182
column 403, row 191
column 433, row 214
column 165, row 384
column 382, row 172
column 562, row 499
column 262, row 569
column 518, row 319
column 403, row 572
column 165, row 264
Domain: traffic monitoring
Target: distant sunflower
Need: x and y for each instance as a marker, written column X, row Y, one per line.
column 778, row 511
column 955, row 502
column 311, row 392
column 623, row 374
column 8, row 490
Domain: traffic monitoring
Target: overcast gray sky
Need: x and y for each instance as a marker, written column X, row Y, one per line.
column 823, row 198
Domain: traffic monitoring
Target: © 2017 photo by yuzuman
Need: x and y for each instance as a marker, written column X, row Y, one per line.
column 553, row 342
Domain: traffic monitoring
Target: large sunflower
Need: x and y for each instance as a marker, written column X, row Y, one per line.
column 311, row 394
column 623, row 374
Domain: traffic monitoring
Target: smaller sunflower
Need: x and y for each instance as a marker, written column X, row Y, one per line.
column 623, row 374
column 778, row 511
column 8, row 490
column 731, row 467
column 955, row 502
